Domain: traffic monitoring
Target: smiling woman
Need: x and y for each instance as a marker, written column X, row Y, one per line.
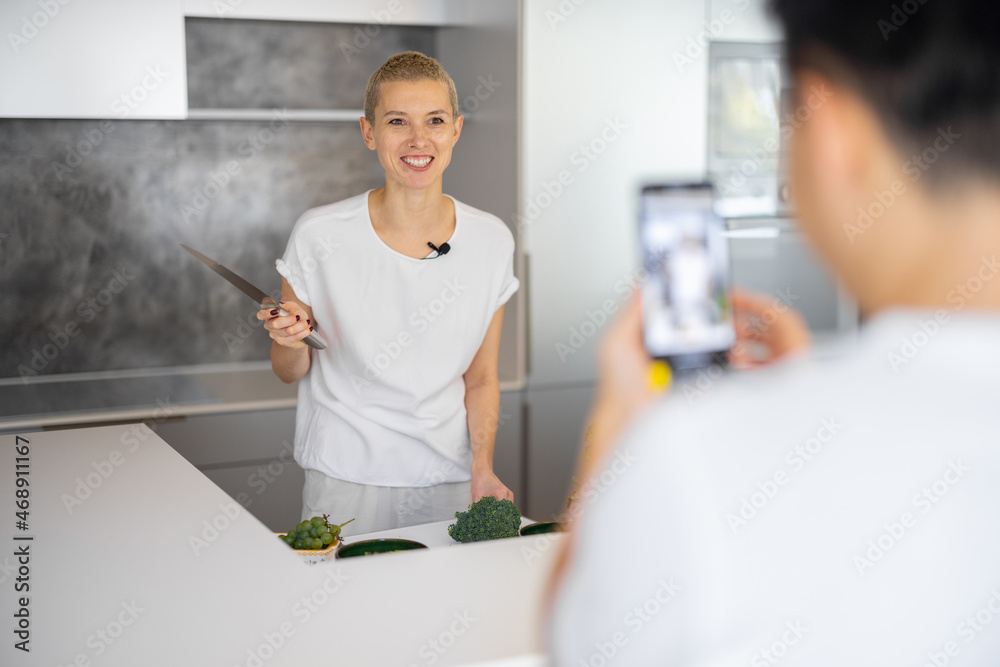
column 411, row 369
column 413, row 126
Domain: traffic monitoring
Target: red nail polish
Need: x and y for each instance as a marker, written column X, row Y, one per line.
column 274, row 312
column 297, row 318
column 309, row 321
column 310, row 328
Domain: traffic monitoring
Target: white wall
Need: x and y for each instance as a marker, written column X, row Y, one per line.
column 590, row 69
column 585, row 63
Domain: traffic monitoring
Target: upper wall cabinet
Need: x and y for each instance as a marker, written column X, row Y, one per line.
column 109, row 59
column 121, row 59
column 402, row 12
column 742, row 21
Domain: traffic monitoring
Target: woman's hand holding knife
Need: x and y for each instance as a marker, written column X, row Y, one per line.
column 287, row 330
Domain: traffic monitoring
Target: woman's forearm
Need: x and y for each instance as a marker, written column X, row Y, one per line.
column 482, row 403
column 290, row 363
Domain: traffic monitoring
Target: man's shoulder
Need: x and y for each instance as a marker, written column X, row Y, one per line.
column 759, row 394
column 743, row 417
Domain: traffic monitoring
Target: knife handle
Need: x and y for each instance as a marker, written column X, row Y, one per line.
column 313, row 340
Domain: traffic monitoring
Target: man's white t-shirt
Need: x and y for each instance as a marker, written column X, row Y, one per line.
column 817, row 514
column 384, row 403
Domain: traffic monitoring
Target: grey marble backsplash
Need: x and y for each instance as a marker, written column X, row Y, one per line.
column 92, row 274
column 263, row 64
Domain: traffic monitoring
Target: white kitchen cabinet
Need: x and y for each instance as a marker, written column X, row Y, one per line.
column 742, row 21
column 555, row 427
column 508, row 453
column 116, row 59
column 372, row 12
column 112, row 59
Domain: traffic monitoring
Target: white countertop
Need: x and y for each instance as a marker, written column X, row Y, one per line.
column 124, row 548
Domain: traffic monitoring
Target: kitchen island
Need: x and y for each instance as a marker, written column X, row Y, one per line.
column 130, row 556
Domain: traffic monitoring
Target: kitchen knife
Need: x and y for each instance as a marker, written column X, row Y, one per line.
column 313, row 340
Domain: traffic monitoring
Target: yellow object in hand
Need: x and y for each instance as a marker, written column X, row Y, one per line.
column 660, row 376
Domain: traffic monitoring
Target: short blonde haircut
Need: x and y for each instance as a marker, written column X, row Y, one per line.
column 407, row 66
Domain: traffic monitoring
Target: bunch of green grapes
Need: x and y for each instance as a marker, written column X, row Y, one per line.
column 315, row 534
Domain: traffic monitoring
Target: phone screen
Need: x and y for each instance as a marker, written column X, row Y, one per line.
column 685, row 300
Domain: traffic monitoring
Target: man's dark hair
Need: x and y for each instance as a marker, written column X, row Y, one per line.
column 923, row 66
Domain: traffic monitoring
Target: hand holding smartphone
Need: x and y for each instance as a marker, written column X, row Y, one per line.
column 687, row 317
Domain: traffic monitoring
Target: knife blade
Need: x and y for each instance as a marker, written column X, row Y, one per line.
column 313, row 340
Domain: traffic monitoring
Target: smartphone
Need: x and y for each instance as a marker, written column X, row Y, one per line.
column 687, row 316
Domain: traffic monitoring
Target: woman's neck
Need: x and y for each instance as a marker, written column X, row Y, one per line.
column 399, row 212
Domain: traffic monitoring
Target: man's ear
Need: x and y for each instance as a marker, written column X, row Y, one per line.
column 367, row 133
column 824, row 137
column 842, row 157
column 842, row 138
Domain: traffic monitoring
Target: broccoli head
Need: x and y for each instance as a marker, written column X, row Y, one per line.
column 487, row 519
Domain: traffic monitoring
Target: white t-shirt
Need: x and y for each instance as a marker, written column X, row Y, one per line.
column 818, row 514
column 384, row 403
